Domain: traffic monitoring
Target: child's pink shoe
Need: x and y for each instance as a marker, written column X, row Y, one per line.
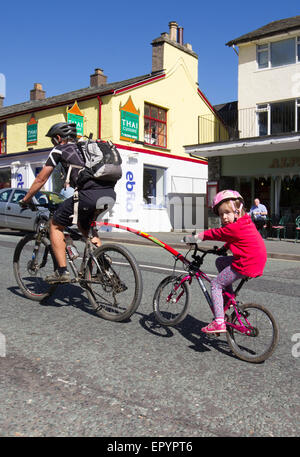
column 214, row 327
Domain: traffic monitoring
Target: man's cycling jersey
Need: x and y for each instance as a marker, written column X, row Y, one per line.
column 69, row 154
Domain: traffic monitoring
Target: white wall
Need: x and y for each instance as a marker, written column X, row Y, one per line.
column 257, row 86
column 181, row 177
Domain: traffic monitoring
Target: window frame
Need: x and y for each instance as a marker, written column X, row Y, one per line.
column 159, row 197
column 158, row 122
column 267, row 107
column 266, row 47
column 3, row 138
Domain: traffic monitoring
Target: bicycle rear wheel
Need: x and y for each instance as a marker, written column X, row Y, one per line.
column 171, row 301
column 261, row 342
column 114, row 282
column 31, row 265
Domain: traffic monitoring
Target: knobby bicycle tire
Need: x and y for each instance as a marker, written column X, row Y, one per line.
column 167, row 310
column 115, row 291
column 261, row 343
column 31, row 278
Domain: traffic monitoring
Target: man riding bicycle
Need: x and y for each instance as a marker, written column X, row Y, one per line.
column 63, row 136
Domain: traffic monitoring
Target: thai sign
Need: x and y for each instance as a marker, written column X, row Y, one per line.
column 129, row 121
column 32, row 131
column 75, row 116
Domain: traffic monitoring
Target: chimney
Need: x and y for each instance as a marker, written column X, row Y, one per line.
column 1, row 101
column 180, row 35
column 98, row 78
column 37, row 93
column 173, row 30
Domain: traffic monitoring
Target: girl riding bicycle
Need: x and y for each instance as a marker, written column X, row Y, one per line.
column 243, row 240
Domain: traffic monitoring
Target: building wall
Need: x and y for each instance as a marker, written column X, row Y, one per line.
column 264, row 85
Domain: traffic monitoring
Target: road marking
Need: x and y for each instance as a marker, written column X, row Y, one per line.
column 168, row 269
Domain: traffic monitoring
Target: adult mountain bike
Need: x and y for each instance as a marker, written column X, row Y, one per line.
column 110, row 274
column 252, row 332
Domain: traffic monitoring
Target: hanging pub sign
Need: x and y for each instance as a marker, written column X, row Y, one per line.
column 75, row 116
column 32, row 131
column 129, row 121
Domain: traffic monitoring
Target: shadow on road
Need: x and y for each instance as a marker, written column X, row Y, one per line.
column 64, row 295
column 190, row 329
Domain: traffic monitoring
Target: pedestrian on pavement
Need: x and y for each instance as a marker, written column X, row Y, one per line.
column 243, row 240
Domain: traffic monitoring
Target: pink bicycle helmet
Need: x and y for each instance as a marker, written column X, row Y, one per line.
column 226, row 195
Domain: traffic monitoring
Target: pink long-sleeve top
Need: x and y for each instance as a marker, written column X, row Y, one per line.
column 245, row 243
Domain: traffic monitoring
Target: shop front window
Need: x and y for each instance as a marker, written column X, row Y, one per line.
column 155, row 125
column 290, row 196
column 5, row 177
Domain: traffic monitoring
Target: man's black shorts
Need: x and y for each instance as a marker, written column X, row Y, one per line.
column 89, row 201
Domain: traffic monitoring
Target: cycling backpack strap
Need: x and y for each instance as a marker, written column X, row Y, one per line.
column 76, row 205
column 67, row 180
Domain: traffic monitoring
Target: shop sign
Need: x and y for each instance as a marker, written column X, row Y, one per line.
column 32, row 131
column 129, row 121
column 75, row 116
column 285, row 162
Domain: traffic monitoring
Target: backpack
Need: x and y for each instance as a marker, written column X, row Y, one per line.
column 102, row 162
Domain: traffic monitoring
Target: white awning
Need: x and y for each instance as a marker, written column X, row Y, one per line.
column 247, row 146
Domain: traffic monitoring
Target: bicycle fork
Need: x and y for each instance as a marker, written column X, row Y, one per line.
column 33, row 265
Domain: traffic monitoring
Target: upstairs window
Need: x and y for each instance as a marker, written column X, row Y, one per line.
column 283, row 52
column 2, row 137
column 278, row 53
column 155, row 125
column 279, row 117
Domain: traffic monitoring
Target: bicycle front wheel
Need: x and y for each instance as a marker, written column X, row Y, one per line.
column 171, row 301
column 262, row 338
column 114, row 282
column 31, row 264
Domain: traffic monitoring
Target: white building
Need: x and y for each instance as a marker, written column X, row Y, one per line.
column 261, row 155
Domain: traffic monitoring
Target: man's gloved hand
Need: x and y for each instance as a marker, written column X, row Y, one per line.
column 26, row 205
column 23, row 204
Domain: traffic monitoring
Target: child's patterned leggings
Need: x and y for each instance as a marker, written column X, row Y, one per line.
column 224, row 280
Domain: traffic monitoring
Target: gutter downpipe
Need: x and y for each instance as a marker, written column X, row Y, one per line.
column 99, row 116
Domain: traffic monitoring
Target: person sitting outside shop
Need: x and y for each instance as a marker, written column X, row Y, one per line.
column 258, row 213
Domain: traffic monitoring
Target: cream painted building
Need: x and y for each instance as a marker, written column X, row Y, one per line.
column 150, row 118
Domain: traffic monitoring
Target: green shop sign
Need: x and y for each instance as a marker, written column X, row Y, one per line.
column 129, row 121
column 32, row 131
column 129, row 125
column 75, row 116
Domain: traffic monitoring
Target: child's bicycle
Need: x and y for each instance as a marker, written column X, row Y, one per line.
column 252, row 332
column 109, row 274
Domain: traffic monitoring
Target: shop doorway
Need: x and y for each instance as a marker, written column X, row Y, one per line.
column 262, row 191
column 290, row 197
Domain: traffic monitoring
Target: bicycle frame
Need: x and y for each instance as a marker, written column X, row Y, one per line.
column 200, row 275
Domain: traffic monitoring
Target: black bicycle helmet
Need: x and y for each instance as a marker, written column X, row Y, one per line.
column 63, row 129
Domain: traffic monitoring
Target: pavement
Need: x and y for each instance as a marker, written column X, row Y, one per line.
column 277, row 249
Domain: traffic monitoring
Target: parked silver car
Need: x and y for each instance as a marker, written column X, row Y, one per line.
column 14, row 217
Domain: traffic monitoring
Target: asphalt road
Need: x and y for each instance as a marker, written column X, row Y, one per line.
column 67, row 372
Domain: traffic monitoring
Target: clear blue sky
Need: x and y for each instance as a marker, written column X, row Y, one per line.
column 59, row 44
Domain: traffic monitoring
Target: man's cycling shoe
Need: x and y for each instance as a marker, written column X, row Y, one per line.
column 57, row 278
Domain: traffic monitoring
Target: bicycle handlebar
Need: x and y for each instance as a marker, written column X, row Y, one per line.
column 35, row 206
